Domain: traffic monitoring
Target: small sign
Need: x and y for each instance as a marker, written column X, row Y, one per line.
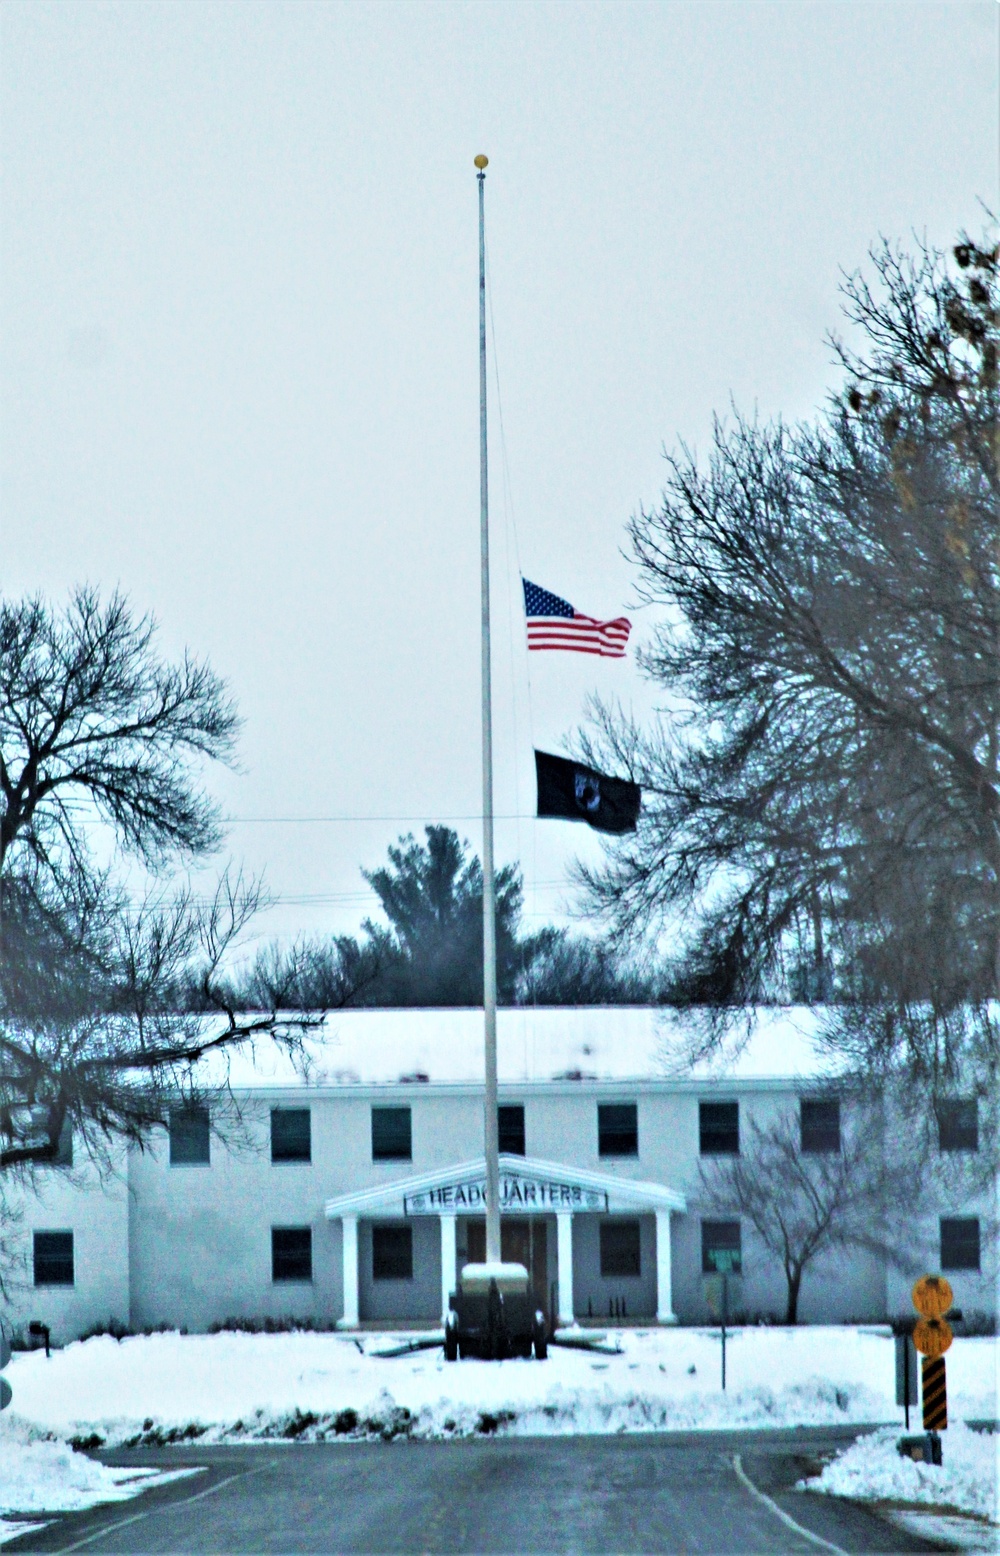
column 518, row 1192
column 932, row 1336
column 727, row 1261
column 906, row 1372
column 932, row 1296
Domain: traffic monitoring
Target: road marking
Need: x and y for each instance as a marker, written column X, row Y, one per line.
column 779, row 1512
column 136, row 1518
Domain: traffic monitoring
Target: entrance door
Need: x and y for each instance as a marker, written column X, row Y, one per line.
column 523, row 1240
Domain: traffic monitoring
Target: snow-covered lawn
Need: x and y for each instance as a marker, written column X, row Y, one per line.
column 235, row 1387
column 222, row 1386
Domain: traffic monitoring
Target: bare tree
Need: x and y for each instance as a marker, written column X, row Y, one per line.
column 822, row 804
column 94, row 726
column 804, row 1203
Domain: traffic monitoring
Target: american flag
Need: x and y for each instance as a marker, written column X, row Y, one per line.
column 553, row 623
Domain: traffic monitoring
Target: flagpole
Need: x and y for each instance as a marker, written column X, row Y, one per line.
column 491, row 1121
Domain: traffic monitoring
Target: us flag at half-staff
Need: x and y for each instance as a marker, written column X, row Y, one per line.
column 553, row 623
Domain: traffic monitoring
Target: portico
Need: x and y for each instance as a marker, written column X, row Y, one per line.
column 531, row 1191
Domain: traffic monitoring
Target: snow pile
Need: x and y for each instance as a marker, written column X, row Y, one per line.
column 871, row 1470
column 210, row 1388
column 39, row 1474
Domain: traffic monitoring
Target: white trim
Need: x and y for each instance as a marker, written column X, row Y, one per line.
column 627, row 1193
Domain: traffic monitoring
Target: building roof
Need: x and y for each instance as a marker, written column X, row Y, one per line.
column 599, row 1044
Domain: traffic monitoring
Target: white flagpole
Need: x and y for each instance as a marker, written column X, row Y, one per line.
column 492, row 1138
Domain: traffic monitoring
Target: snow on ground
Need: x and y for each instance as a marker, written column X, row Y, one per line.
column 871, row 1470
column 212, row 1387
column 39, row 1475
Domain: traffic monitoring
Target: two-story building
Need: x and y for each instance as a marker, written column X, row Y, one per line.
column 345, row 1185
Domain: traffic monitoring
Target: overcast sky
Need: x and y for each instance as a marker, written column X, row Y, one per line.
column 239, row 335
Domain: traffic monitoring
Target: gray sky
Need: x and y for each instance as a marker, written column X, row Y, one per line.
column 239, row 335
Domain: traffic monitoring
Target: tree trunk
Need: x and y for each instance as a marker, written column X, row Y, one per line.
column 794, row 1277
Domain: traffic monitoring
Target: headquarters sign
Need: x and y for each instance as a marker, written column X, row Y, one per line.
column 518, row 1192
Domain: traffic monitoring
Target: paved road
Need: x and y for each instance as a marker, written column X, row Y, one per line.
column 672, row 1492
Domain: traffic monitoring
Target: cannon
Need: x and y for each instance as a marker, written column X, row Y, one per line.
column 492, row 1315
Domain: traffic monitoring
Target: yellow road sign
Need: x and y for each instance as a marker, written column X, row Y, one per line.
column 932, row 1336
column 932, row 1296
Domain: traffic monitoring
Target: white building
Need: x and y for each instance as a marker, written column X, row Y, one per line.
column 348, row 1187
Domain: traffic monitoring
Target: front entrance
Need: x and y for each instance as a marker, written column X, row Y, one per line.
column 523, row 1240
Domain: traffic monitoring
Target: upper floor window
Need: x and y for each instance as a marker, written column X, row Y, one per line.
column 719, row 1128
column 819, row 1124
column 959, row 1242
column 53, row 1258
column 721, row 1248
column 958, row 1124
column 291, row 1135
column 189, row 1137
column 291, row 1253
column 620, row 1248
column 392, row 1252
column 391, row 1135
column 511, row 1122
column 617, row 1129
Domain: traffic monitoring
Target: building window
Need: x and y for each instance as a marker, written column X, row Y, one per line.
column 819, row 1123
column 959, row 1243
column 291, row 1253
column 391, row 1136
column 511, row 1120
column 620, row 1248
column 392, row 1252
column 189, row 1137
column 617, row 1129
column 721, row 1248
column 291, row 1135
column 958, row 1125
column 53, row 1253
column 719, row 1128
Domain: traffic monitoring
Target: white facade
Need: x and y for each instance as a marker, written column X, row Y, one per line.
column 600, row 1193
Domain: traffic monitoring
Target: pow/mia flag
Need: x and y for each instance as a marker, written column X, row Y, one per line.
column 577, row 793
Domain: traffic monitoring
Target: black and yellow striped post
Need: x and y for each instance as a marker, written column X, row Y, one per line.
column 935, row 1394
column 932, row 1298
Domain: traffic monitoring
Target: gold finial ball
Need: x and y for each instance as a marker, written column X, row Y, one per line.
column 482, row 162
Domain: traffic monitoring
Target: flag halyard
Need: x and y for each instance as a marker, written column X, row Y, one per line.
column 553, row 623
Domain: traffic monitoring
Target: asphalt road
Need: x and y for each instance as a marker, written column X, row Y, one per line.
column 643, row 1492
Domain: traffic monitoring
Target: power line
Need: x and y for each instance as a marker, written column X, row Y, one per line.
column 405, row 820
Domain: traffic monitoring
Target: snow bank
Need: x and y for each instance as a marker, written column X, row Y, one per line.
column 210, row 1388
column 871, row 1470
column 39, row 1474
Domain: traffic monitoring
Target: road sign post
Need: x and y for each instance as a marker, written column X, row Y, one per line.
column 932, row 1336
column 727, row 1263
column 907, row 1387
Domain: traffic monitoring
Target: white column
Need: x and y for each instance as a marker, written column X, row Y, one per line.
column 564, row 1253
column 448, row 1261
column 664, row 1274
column 351, row 1318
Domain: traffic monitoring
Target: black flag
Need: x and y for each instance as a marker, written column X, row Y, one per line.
column 578, row 793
